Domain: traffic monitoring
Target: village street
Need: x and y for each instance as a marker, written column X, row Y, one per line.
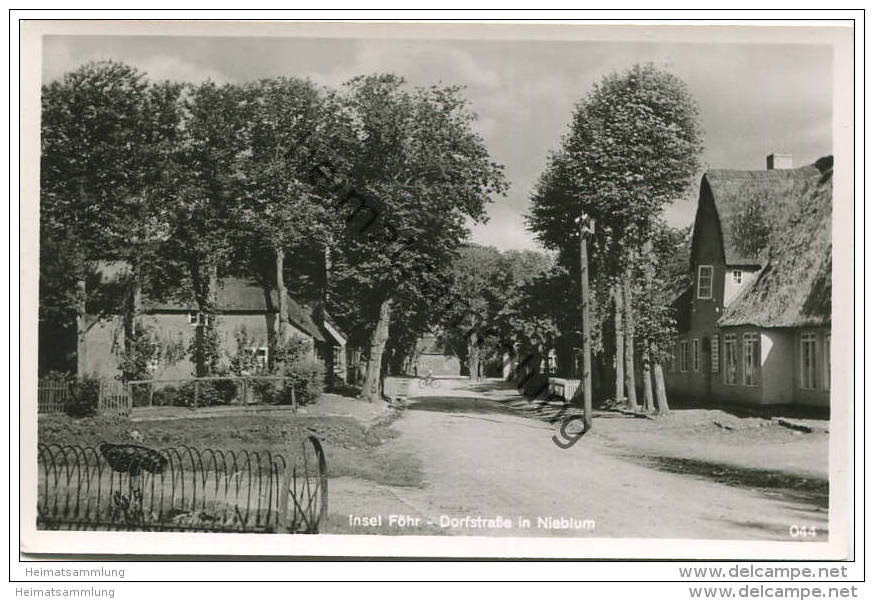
column 480, row 460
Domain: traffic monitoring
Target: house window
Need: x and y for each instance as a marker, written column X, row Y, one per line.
column 195, row 318
column 737, row 276
column 672, row 365
column 752, row 351
column 578, row 362
column 705, row 281
column 827, row 363
column 808, row 361
column 261, row 356
column 696, row 355
column 714, row 354
column 730, row 359
column 684, row 355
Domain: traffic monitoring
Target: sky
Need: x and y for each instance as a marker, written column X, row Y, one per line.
column 754, row 99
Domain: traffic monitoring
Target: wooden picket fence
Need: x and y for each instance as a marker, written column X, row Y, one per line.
column 114, row 399
column 566, row 388
column 53, row 394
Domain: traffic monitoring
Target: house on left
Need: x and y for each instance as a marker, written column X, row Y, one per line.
column 246, row 317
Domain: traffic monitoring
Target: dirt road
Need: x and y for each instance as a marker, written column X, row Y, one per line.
column 480, row 462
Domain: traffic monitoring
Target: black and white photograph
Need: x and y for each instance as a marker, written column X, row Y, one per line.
column 541, row 288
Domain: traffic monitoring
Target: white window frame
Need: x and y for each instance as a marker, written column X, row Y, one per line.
column 730, row 342
column 737, row 276
column 752, row 342
column 578, row 361
column 696, row 354
column 196, row 318
column 714, row 354
column 261, row 361
column 701, row 269
column 807, row 371
column 684, row 356
column 827, row 362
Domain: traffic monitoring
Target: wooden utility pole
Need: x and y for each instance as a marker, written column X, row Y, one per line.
column 587, row 228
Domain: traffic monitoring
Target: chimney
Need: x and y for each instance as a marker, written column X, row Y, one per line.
column 779, row 161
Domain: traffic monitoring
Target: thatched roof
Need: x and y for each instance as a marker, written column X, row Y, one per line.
column 238, row 295
column 794, row 287
column 747, row 202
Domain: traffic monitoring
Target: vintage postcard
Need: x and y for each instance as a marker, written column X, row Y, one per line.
column 569, row 290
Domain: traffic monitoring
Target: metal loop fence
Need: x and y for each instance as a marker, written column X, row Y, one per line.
column 130, row 487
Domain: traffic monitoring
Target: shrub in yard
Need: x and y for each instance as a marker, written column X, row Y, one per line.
column 536, row 384
column 209, row 393
column 264, row 391
column 307, row 375
column 167, row 396
column 83, row 401
column 133, row 362
column 225, row 391
column 55, row 375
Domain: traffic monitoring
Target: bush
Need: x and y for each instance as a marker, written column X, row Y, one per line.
column 168, row 396
column 83, row 401
column 265, row 391
column 209, row 393
column 307, row 375
column 304, row 375
column 535, row 385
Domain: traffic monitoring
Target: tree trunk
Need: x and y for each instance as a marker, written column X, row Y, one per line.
column 206, row 293
column 360, row 372
column 282, row 306
column 81, row 330
column 282, row 323
column 661, row 395
column 630, row 385
column 647, row 384
column 372, row 377
column 473, row 357
column 587, row 227
column 618, row 308
column 133, row 310
column 647, row 336
column 270, row 324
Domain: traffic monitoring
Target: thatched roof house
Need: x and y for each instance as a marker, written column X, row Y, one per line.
column 245, row 321
column 755, row 325
column 240, row 295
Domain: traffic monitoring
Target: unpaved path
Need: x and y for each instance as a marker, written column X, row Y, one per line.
column 480, row 460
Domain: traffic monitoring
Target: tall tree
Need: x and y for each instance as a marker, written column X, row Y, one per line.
column 486, row 283
column 107, row 135
column 290, row 128
column 633, row 147
column 476, row 275
column 203, row 192
column 665, row 269
column 421, row 172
